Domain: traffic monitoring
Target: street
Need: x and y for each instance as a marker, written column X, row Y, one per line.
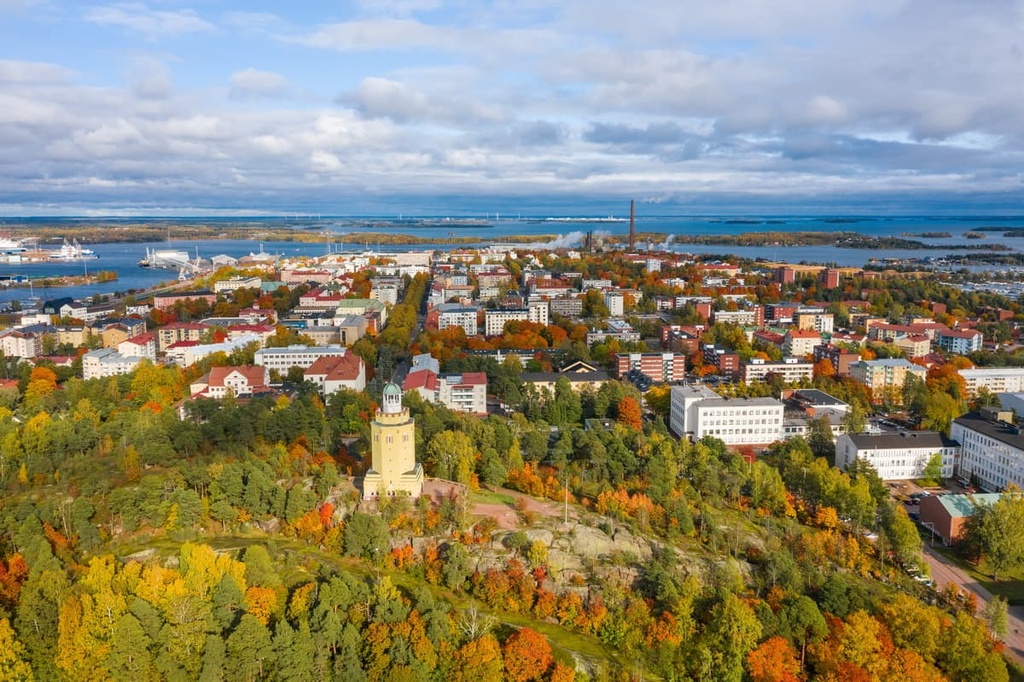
column 943, row 572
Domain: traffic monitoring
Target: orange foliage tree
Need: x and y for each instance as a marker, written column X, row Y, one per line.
column 527, row 656
column 773, row 661
column 629, row 414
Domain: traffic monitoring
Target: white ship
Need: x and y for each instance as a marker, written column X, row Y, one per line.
column 8, row 245
column 72, row 251
column 174, row 259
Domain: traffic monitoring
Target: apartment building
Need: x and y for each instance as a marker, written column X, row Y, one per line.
column 789, row 369
column 661, row 367
column 885, row 377
column 960, row 341
column 697, row 411
column 993, row 379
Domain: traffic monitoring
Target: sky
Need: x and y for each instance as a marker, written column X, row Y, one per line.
column 473, row 106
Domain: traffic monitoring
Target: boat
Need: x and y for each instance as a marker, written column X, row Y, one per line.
column 72, row 251
column 8, row 245
column 165, row 259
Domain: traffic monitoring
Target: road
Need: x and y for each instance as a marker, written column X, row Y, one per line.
column 944, row 571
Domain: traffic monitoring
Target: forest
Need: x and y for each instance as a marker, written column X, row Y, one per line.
column 147, row 537
column 227, row 542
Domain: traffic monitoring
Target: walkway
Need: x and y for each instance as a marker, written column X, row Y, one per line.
column 944, row 571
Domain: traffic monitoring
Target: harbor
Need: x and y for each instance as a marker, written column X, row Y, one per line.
column 16, row 251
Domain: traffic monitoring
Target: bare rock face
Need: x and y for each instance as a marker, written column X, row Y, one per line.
column 594, row 543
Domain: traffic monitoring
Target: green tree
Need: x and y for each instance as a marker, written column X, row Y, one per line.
column 939, row 410
column 366, row 536
column 996, row 532
column 129, row 659
column 806, row 623
column 733, row 631
column 996, row 615
column 901, row 535
column 450, row 455
column 932, row 474
column 248, row 649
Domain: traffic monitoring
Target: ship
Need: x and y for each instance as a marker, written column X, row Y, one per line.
column 72, row 251
column 166, row 259
column 8, row 245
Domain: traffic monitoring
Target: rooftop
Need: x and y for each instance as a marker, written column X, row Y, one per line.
column 1000, row 431
column 901, row 439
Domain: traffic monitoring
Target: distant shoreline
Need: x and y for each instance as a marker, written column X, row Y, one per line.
column 98, row 232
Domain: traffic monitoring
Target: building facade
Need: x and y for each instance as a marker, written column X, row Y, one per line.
column 898, row 456
column 283, row 359
column 992, row 449
column 993, row 379
column 662, row 367
column 885, row 378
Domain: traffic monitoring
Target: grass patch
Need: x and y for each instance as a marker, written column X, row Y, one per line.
column 491, row 497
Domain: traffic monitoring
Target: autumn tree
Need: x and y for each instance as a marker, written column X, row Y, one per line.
column 773, row 661
column 527, row 656
column 13, row 667
column 628, row 413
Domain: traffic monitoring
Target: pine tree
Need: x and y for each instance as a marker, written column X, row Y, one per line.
column 130, row 659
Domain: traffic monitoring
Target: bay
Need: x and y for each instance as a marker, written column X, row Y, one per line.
column 123, row 258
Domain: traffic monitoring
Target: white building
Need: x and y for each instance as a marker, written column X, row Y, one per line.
column 993, row 379
column 455, row 315
column 107, row 362
column 616, row 303
column 991, row 449
column 188, row 353
column 239, row 381
column 495, row 320
column 332, row 373
column 465, row 392
column 140, row 346
column 960, row 342
column 790, row 369
column 697, row 411
column 897, row 456
column 283, row 359
column 386, row 293
column 236, row 283
column 20, row 344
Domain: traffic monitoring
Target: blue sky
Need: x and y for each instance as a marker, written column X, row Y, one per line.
column 463, row 107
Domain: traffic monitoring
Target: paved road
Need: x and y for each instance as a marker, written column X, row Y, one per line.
column 943, row 572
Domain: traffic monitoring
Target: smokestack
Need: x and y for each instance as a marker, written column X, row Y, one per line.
column 632, row 224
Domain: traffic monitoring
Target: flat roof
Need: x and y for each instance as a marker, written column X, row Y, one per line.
column 1000, row 431
column 815, row 396
column 901, row 439
column 959, row 506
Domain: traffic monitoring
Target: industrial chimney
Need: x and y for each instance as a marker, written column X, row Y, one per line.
column 632, row 224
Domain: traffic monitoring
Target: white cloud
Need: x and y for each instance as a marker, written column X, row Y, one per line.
column 151, row 23
column 381, row 34
column 255, row 83
column 28, row 73
column 655, row 99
